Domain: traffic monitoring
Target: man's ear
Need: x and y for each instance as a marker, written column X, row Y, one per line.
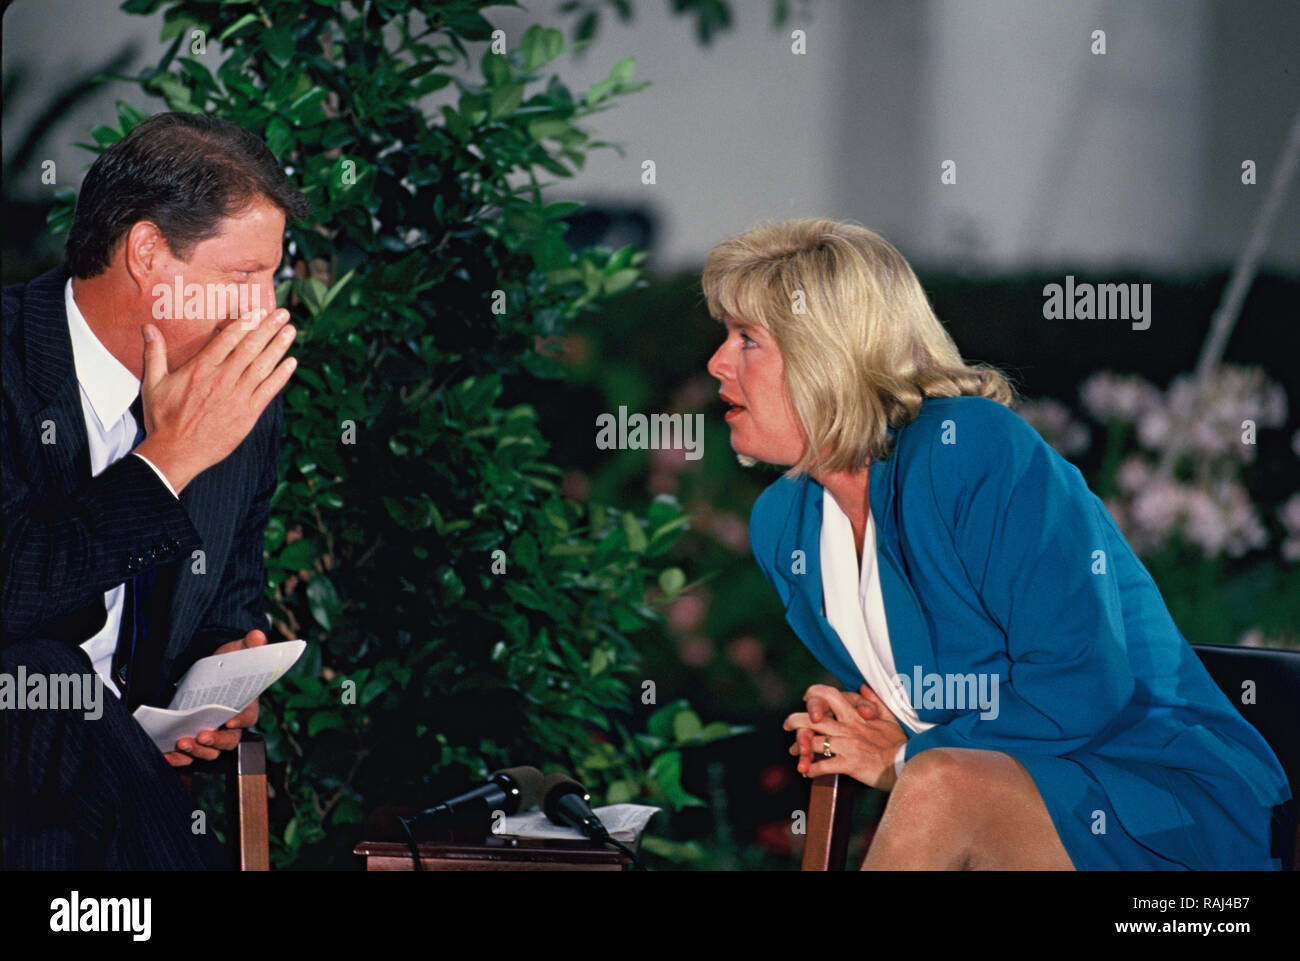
column 143, row 252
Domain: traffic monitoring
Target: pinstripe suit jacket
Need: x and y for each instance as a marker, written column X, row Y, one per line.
column 66, row 537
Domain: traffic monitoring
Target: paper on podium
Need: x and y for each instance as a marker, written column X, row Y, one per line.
column 625, row 822
column 215, row 689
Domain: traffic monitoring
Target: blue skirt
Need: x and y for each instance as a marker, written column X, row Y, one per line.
column 1202, row 837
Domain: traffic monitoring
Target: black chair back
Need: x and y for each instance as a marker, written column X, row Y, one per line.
column 1275, row 713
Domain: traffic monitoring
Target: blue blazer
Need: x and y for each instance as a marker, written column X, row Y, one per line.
column 995, row 557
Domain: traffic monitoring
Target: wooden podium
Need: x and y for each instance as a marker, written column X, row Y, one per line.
column 494, row 854
column 391, row 852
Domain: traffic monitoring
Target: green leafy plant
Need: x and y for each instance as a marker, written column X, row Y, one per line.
column 461, row 614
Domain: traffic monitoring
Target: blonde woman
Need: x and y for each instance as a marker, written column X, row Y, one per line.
column 1012, row 676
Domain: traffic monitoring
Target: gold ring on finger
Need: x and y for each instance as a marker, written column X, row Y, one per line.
column 826, row 748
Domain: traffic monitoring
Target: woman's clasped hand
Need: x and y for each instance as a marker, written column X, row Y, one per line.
column 863, row 735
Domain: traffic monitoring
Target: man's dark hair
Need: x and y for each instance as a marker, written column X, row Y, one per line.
column 185, row 173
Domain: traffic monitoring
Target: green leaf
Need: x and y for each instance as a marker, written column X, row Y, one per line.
column 323, row 600
column 621, row 280
column 278, row 43
column 528, row 597
column 238, row 25
column 621, row 792
column 431, row 82
column 552, row 43
column 324, row 721
column 677, row 851
column 174, row 26
column 617, row 261
column 599, row 91
column 666, row 772
column 523, row 553
column 348, row 811
column 623, row 70
column 372, row 689
column 105, row 136
column 673, row 525
column 507, row 100
column 686, row 725
column 660, row 724
column 556, row 520
column 548, row 128
column 473, row 107
column 721, row 729
column 305, row 109
column 672, row 580
column 586, row 26
column 334, row 291
column 298, row 556
column 178, row 95
column 495, row 68
column 539, row 46
column 312, row 290
column 128, row 116
column 561, row 209
column 550, row 252
column 279, row 135
column 636, row 539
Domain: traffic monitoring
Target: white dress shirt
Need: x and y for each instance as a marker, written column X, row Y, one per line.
column 855, row 608
column 107, row 391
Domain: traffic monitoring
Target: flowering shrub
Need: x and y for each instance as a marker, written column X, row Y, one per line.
column 1172, row 476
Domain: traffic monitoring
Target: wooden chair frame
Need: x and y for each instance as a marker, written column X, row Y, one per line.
column 249, row 842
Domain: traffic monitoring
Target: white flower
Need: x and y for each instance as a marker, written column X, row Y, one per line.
column 1153, row 429
column 1222, row 520
column 1054, row 422
column 1206, row 418
column 1108, row 396
column 1252, row 638
column 1134, row 474
column 1257, row 638
column 1156, row 509
column 1289, row 514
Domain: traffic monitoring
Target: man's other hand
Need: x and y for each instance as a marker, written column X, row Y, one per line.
column 209, row 744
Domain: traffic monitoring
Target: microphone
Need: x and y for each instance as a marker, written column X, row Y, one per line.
column 510, row 790
column 565, row 802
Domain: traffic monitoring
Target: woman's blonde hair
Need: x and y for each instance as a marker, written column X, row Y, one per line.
column 861, row 344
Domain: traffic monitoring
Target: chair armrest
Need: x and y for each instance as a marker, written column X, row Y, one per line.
column 830, row 808
column 250, row 840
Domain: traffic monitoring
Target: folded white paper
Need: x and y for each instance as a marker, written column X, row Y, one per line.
column 625, row 822
column 215, row 689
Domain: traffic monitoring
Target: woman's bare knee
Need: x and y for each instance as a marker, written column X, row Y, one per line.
column 926, row 822
column 983, row 802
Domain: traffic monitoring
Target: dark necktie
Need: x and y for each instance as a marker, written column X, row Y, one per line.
column 139, row 589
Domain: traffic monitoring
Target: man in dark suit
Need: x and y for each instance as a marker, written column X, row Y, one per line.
column 141, row 431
